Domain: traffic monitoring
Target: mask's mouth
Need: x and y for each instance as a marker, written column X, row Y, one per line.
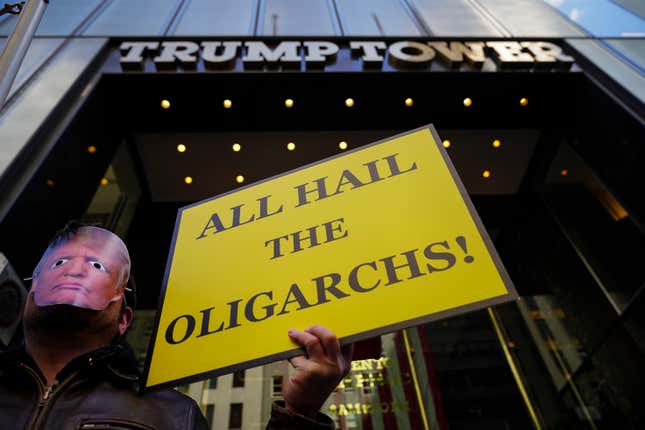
column 70, row 286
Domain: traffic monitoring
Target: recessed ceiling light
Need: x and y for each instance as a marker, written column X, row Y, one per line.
column 291, row 146
column 524, row 101
column 446, row 144
column 409, row 102
column 181, row 148
column 468, row 102
column 497, row 143
column 227, row 104
column 564, row 172
column 288, row 103
column 239, row 179
column 50, row 182
column 91, row 149
column 165, row 104
column 349, row 102
column 486, row 174
column 104, row 181
column 342, row 145
column 237, row 147
column 188, row 180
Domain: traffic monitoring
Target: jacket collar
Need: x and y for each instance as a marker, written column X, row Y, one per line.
column 117, row 359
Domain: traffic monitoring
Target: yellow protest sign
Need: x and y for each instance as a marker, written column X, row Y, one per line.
column 367, row 242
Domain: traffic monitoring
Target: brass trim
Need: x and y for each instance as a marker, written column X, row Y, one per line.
column 514, row 370
column 417, row 389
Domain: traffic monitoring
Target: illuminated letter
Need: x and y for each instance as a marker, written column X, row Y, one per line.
column 226, row 58
column 320, row 53
column 172, row 52
column 257, row 53
column 369, row 52
column 453, row 53
column 400, row 55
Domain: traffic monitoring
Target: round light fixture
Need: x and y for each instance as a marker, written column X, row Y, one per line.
column 468, row 102
column 104, row 181
column 524, row 101
column 50, row 182
column 564, row 172
column 239, row 179
column 91, row 149
column 486, row 174
column 446, row 144
column 349, row 102
column 181, row 148
column 188, row 180
column 291, row 146
column 288, row 103
column 409, row 102
column 237, row 147
column 342, row 145
column 497, row 143
column 227, row 104
column 165, row 104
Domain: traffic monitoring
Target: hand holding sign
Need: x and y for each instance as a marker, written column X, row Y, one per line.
column 316, row 375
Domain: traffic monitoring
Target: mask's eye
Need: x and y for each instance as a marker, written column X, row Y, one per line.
column 98, row 265
column 59, row 262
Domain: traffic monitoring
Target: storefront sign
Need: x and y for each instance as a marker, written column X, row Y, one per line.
column 317, row 55
column 365, row 243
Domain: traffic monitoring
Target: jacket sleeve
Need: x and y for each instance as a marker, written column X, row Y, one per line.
column 281, row 419
column 198, row 420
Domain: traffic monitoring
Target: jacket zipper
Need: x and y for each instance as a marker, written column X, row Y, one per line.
column 46, row 394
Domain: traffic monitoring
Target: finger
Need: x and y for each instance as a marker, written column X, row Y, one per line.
column 328, row 340
column 311, row 343
column 348, row 352
column 298, row 361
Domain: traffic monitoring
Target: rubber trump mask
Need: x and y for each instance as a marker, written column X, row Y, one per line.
column 88, row 270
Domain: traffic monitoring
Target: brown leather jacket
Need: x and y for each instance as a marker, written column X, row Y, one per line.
column 98, row 391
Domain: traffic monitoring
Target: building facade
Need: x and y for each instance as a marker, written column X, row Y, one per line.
column 124, row 111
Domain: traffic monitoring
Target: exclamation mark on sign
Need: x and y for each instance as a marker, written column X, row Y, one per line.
column 461, row 241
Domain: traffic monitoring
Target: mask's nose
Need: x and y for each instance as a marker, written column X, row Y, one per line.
column 76, row 268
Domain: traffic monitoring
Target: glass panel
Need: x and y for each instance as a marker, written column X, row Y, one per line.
column 375, row 18
column 454, row 18
column 128, row 18
column 602, row 18
column 530, row 18
column 235, row 416
column 38, row 52
column 210, row 413
column 61, row 17
column 212, row 383
column 622, row 73
column 635, row 6
column 607, row 239
column 224, row 17
column 632, row 50
column 238, row 378
column 297, row 18
column 22, row 117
